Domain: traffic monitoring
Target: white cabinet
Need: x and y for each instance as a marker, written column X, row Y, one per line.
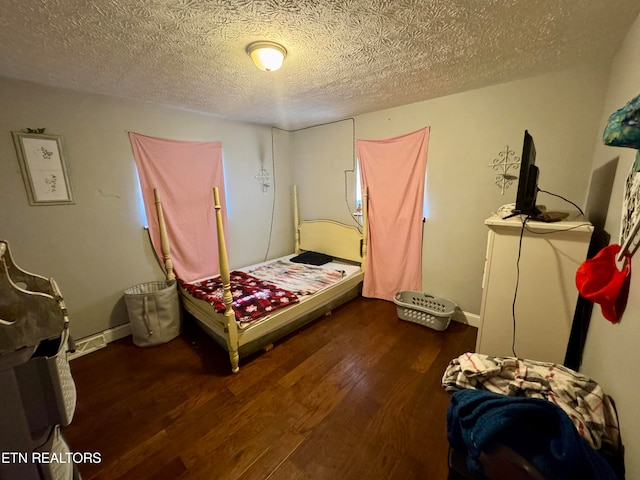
column 546, row 298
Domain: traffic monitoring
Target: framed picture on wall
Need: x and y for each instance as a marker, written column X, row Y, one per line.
column 630, row 221
column 44, row 168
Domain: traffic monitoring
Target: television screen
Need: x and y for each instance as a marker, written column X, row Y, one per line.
column 528, row 179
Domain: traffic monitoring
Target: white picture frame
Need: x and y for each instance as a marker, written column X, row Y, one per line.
column 44, row 168
column 630, row 219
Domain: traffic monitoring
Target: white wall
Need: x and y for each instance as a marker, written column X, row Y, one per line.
column 324, row 164
column 97, row 247
column 611, row 352
column 468, row 130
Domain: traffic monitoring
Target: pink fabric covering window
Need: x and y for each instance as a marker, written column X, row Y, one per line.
column 184, row 174
column 393, row 171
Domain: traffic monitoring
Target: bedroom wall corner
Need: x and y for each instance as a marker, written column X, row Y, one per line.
column 282, row 231
column 324, row 171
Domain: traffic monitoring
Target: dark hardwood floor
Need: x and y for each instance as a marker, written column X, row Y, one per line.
column 354, row 395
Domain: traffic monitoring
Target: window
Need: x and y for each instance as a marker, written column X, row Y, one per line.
column 142, row 212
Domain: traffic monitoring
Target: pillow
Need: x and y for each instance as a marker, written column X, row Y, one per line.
column 312, row 258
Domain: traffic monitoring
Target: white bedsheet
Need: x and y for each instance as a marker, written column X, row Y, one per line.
column 349, row 269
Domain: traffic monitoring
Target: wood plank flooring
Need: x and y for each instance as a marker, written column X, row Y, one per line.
column 354, row 395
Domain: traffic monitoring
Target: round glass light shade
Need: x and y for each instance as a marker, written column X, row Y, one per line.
column 267, row 56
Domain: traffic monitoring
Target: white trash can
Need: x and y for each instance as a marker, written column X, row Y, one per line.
column 154, row 312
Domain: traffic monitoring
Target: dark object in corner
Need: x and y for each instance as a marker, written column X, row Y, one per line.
column 312, row 258
column 550, row 217
column 539, row 431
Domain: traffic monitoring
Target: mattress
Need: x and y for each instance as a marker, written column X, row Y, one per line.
column 347, row 270
column 263, row 288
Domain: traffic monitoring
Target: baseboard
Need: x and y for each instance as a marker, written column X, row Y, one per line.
column 467, row 318
column 116, row 333
column 90, row 344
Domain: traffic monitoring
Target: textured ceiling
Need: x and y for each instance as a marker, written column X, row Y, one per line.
column 346, row 57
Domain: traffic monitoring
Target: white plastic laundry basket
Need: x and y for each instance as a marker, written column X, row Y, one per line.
column 424, row 309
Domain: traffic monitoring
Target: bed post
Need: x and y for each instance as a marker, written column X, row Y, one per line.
column 231, row 327
column 164, row 238
column 296, row 219
column 365, row 225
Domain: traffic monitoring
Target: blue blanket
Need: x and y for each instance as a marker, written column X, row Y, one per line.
column 537, row 429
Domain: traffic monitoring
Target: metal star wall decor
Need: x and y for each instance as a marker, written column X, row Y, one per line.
column 506, row 160
column 264, row 179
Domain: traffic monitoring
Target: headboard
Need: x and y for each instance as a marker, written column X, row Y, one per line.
column 331, row 238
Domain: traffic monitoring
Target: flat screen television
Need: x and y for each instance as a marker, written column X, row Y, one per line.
column 527, row 180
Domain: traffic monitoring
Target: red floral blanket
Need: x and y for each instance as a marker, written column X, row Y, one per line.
column 252, row 298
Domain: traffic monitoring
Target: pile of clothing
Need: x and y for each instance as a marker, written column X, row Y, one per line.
column 558, row 419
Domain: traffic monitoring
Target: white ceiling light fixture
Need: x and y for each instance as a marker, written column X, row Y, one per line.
column 267, row 56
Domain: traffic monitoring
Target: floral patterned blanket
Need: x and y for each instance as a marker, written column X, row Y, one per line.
column 253, row 298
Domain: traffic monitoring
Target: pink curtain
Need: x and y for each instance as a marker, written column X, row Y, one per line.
column 393, row 171
column 184, row 174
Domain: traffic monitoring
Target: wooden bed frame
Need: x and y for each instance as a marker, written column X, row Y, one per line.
column 324, row 236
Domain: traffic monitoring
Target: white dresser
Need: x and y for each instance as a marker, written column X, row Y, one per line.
column 546, row 299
